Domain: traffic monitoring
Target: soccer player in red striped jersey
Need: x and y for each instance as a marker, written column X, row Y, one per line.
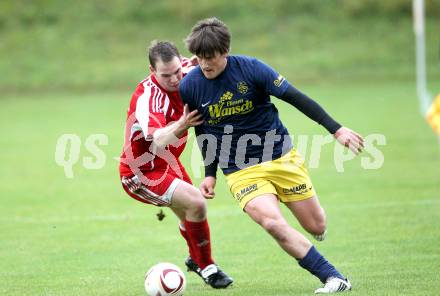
column 150, row 169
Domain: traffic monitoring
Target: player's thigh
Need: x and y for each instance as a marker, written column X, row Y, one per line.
column 309, row 213
column 180, row 213
column 150, row 188
column 290, row 178
column 249, row 183
column 156, row 187
column 264, row 207
column 186, row 196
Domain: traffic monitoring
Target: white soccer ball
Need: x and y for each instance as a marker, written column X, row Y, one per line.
column 165, row 279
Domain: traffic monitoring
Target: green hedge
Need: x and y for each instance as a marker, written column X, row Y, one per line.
column 29, row 13
column 101, row 44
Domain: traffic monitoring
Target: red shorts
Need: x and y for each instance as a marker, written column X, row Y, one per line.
column 155, row 187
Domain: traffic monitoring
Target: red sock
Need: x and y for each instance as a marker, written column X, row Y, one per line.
column 185, row 236
column 200, row 241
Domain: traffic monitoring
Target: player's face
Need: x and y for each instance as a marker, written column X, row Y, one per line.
column 168, row 75
column 213, row 66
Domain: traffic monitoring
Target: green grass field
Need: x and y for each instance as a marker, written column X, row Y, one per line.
column 71, row 69
column 84, row 236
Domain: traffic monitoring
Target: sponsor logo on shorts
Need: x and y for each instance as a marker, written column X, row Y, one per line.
column 299, row 189
column 246, row 191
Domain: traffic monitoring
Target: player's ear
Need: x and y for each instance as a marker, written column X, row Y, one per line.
column 151, row 69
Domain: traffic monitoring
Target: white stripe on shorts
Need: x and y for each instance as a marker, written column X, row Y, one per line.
column 137, row 188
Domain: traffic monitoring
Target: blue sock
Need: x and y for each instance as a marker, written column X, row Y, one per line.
column 316, row 264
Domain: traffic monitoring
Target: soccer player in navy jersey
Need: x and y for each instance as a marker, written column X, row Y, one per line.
column 244, row 136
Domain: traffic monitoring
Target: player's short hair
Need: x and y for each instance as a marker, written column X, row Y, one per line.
column 164, row 51
column 208, row 37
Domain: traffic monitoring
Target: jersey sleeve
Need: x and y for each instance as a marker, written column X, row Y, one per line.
column 185, row 92
column 268, row 79
column 208, row 147
column 148, row 113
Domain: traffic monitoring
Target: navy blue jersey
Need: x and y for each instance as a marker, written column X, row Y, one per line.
column 241, row 123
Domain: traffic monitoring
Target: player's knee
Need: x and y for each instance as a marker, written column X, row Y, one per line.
column 197, row 207
column 321, row 227
column 318, row 227
column 275, row 227
column 320, row 224
column 316, row 223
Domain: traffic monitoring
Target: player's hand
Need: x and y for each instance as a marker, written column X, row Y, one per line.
column 350, row 139
column 190, row 119
column 207, row 187
column 193, row 60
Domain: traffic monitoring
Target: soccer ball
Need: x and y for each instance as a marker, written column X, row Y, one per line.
column 165, row 279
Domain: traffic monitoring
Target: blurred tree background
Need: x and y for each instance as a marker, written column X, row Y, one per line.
column 50, row 45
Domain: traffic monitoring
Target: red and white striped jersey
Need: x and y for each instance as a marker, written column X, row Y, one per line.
column 151, row 107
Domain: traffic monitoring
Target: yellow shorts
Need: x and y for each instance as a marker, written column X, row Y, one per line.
column 285, row 177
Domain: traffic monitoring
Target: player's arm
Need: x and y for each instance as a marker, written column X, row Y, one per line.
column 210, row 163
column 314, row 111
column 188, row 64
column 208, row 184
column 310, row 108
column 172, row 132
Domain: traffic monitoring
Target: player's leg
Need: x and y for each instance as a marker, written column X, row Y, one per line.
column 198, row 236
column 141, row 189
column 162, row 188
column 264, row 209
column 188, row 203
column 310, row 215
column 257, row 196
column 189, row 262
column 180, row 213
column 294, row 188
column 256, row 189
column 187, row 200
column 190, row 206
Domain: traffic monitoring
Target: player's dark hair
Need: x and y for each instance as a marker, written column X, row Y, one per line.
column 162, row 50
column 208, row 37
